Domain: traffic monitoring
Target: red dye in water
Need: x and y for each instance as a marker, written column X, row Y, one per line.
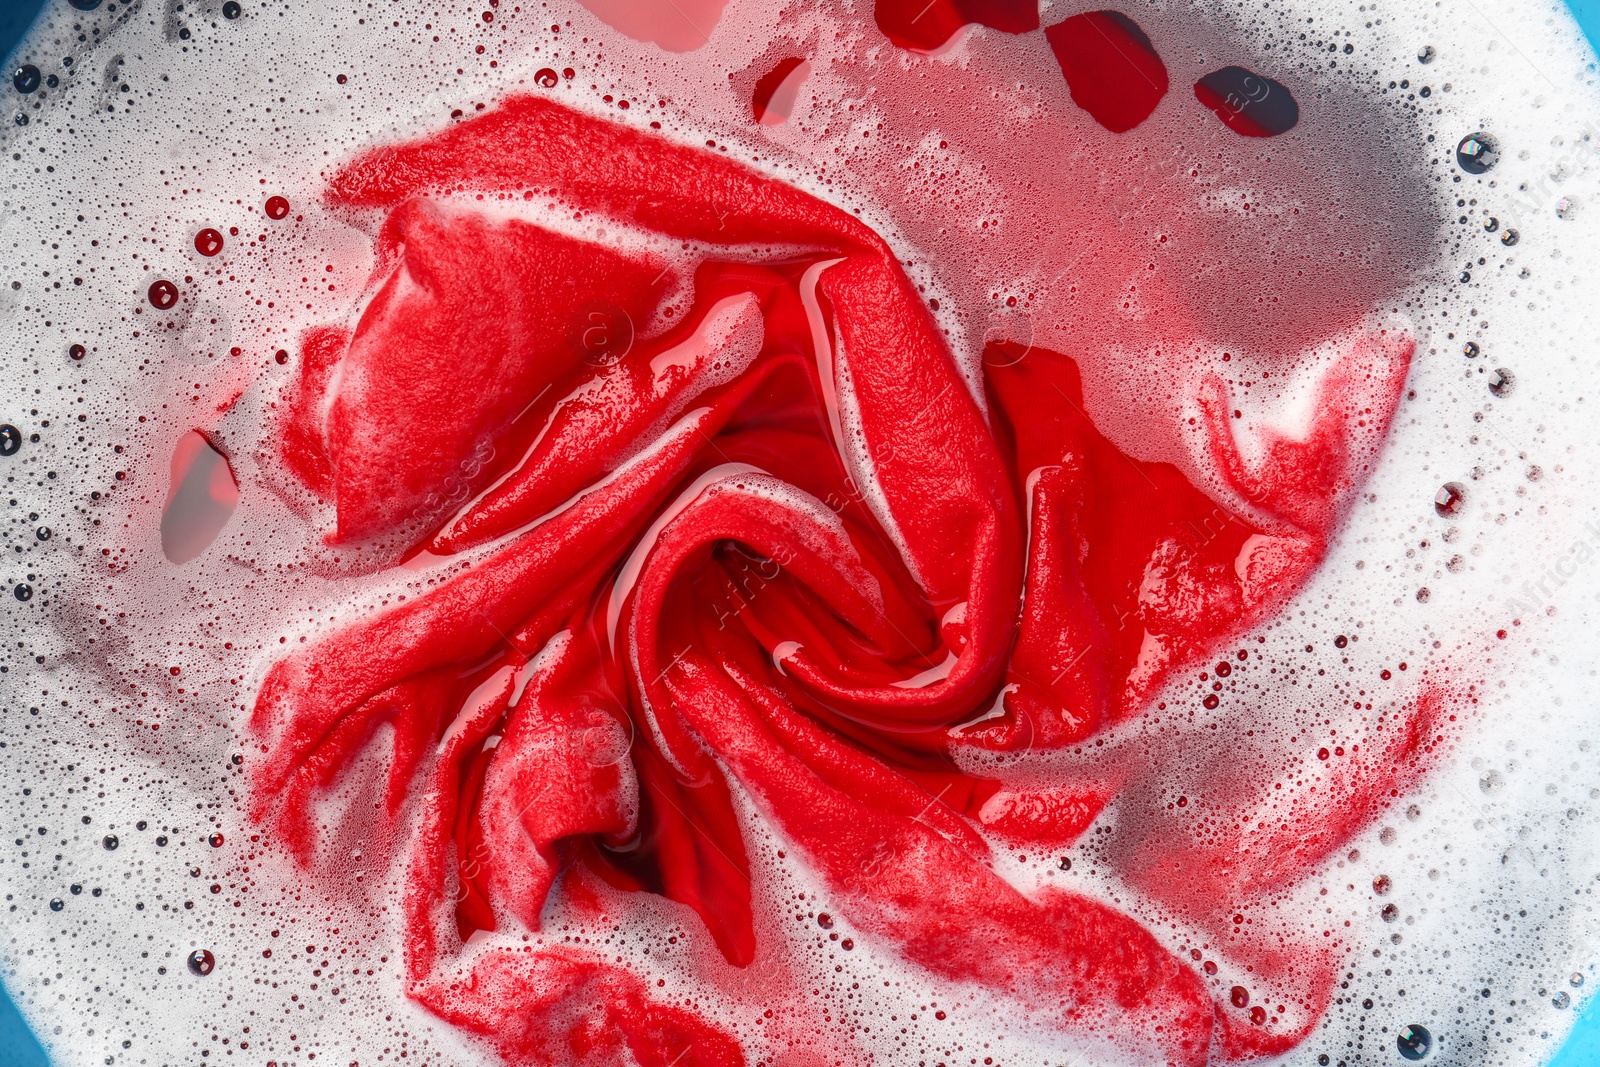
column 1248, row 103
column 1110, row 66
column 201, row 498
column 775, row 93
column 925, row 25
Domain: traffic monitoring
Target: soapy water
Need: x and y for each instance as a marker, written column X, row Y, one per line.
column 1033, row 234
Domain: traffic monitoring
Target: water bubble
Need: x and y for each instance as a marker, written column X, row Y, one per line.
column 10, row 440
column 1341, row 641
column 546, row 77
column 1390, row 913
column 76, row 889
column 1381, row 884
column 1509, row 238
column 1224, row 669
column 1470, row 350
column 1427, row 54
column 110, row 842
column 1491, row 224
column 215, row 840
column 1561, row 1001
column 208, row 242
column 202, row 962
column 1413, row 1041
column 231, row 10
column 161, row 841
column 1239, row 996
column 42, row 533
column 23, row 591
column 277, row 207
column 1566, row 207
column 84, row 5
column 77, row 352
column 57, row 904
column 1492, row 782
column 163, row 294
column 1501, row 382
column 26, row 79
column 1450, row 499
column 1476, row 153
column 1211, row 701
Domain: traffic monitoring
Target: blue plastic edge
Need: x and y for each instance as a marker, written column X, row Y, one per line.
column 18, row 1046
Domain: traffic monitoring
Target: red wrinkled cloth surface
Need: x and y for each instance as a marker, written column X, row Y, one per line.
column 782, row 542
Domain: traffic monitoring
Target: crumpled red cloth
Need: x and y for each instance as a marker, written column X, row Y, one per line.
column 748, row 520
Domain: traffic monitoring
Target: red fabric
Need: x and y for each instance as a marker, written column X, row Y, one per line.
column 694, row 579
